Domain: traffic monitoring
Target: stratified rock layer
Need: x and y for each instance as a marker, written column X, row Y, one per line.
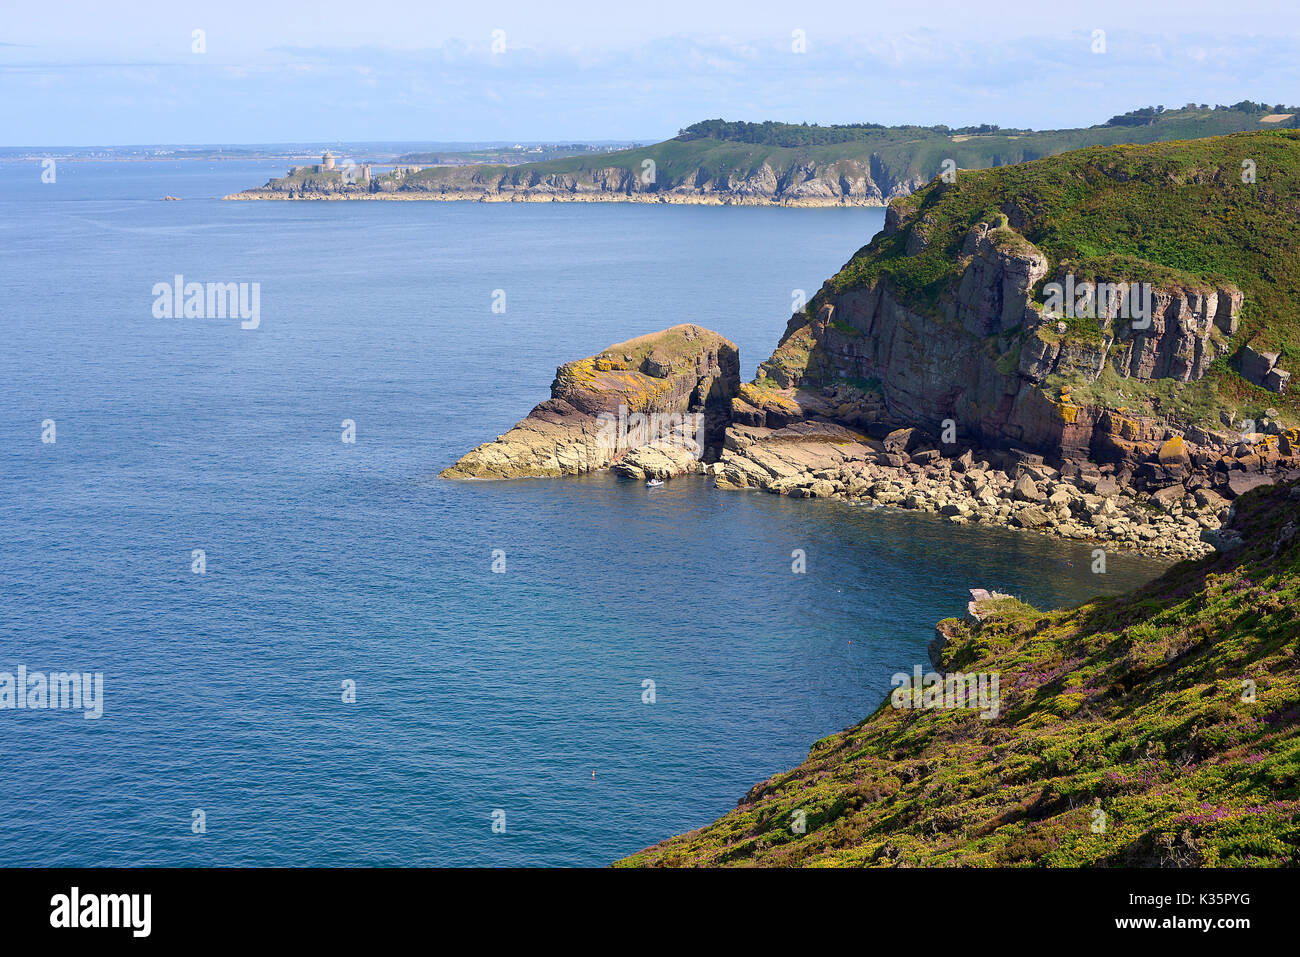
column 646, row 392
column 980, row 358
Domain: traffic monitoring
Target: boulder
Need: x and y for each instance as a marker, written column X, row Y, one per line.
column 1174, row 452
column 1026, row 490
column 1166, row 497
column 657, row 365
column 1256, row 364
column 1207, row 498
column 1239, row 483
column 907, row 441
column 1031, row 516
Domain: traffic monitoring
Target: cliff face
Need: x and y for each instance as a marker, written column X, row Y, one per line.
column 662, row 399
column 1155, row 729
column 843, row 182
column 717, row 163
column 807, row 182
column 983, row 311
column 980, row 360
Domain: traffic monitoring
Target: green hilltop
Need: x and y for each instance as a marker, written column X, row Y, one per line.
column 717, row 161
column 1158, row 728
column 1177, row 213
column 901, row 153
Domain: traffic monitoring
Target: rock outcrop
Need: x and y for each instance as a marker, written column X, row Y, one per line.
column 999, row 395
column 956, row 367
column 978, row 359
column 991, row 363
column 1261, row 368
column 875, row 401
column 664, row 396
column 845, row 182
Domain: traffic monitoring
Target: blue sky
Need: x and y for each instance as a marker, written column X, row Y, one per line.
column 92, row 73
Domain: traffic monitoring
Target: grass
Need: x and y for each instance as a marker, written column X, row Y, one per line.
column 891, row 156
column 675, row 345
column 1192, row 403
column 1174, row 711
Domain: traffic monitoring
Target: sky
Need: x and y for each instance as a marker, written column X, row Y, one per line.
column 96, row 72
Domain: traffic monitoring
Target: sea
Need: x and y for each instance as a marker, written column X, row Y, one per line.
column 311, row 650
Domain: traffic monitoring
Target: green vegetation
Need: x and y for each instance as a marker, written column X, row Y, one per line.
column 675, row 346
column 1171, row 714
column 1149, row 115
column 1193, row 403
column 314, row 177
column 770, row 133
column 505, row 155
column 717, row 150
column 1172, row 214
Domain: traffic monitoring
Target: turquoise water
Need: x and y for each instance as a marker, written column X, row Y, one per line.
column 330, row 562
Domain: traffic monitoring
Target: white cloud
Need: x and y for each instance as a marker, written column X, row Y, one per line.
column 638, row 87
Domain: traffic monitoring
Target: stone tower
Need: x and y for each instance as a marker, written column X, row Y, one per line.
column 327, row 161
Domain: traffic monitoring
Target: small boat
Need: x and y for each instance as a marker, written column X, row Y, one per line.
column 654, row 483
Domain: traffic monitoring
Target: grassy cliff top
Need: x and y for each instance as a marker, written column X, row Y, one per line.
column 303, row 175
column 901, row 153
column 656, row 354
column 685, row 340
column 1174, row 711
column 1174, row 213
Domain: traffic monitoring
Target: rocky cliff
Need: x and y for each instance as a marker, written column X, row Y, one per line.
column 716, row 163
column 806, row 182
column 981, row 361
column 847, row 182
column 656, row 405
column 1155, row 729
column 977, row 316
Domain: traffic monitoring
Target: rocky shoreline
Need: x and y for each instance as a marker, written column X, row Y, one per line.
column 939, row 371
column 671, row 403
column 1161, row 491
column 478, row 196
column 1013, row 490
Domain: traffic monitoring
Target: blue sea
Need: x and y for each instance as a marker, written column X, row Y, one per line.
column 481, row 697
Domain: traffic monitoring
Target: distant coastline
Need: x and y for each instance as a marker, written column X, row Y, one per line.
column 665, row 198
column 720, row 163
